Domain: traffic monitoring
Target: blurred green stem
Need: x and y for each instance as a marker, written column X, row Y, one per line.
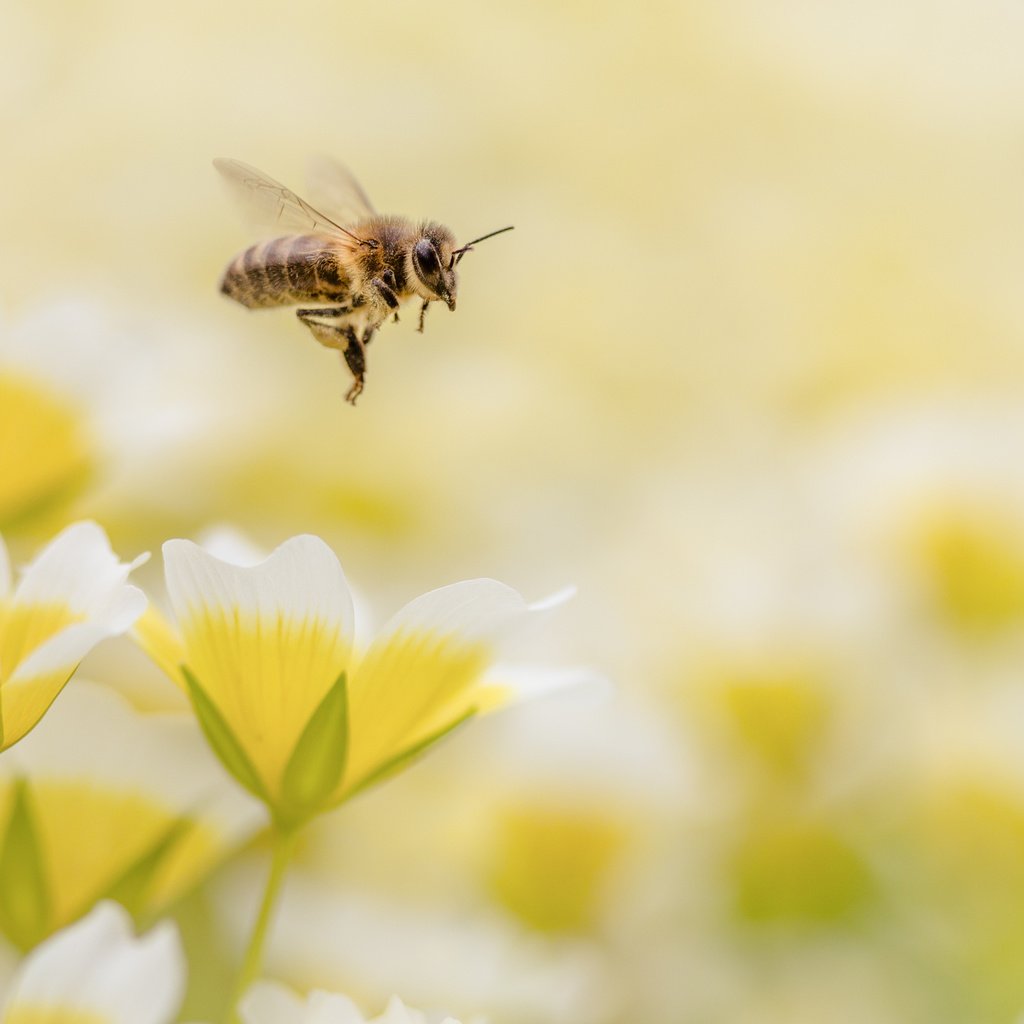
column 284, row 847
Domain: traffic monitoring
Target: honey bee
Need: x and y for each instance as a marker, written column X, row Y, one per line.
column 361, row 265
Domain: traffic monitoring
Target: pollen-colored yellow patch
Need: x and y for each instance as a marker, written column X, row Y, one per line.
column 44, row 450
column 973, row 562
column 777, row 713
column 550, row 867
column 35, row 1013
column 407, row 688
column 266, row 675
column 969, row 836
column 90, row 836
column 798, row 871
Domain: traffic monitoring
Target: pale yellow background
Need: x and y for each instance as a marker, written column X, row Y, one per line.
column 748, row 372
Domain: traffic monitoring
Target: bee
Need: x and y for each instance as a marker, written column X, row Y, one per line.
column 358, row 264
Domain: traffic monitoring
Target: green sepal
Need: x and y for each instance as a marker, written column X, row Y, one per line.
column 223, row 741
column 317, row 763
column 403, row 760
column 24, row 889
column 131, row 888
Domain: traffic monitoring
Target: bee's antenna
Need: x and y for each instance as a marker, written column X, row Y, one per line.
column 457, row 254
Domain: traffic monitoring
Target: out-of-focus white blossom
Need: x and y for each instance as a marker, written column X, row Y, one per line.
column 72, row 596
column 268, row 1003
column 98, row 971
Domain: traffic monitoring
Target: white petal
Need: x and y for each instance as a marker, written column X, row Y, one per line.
column 398, row 1013
column 528, row 681
column 98, row 967
column 271, row 1003
column 268, row 1002
column 301, row 578
column 230, row 544
column 480, row 609
column 5, row 570
column 331, row 1008
column 77, row 568
column 64, row 650
column 555, row 600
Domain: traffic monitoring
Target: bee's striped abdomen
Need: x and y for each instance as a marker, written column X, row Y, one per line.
column 284, row 271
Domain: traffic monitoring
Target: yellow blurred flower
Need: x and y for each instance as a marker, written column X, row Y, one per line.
column 551, row 865
column 266, row 654
column 72, row 596
column 972, row 562
column 776, row 711
column 98, row 972
column 795, row 869
column 139, row 812
column 45, row 452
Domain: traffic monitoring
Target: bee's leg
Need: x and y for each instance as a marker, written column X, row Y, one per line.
column 385, row 290
column 368, row 333
column 340, row 336
column 423, row 315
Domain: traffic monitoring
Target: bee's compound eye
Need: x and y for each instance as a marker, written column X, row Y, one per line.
column 427, row 262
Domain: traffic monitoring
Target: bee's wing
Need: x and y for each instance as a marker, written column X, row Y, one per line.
column 333, row 186
column 273, row 205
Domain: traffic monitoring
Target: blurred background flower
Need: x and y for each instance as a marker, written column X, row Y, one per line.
column 748, row 372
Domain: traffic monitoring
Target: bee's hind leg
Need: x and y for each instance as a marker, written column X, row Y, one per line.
column 340, row 336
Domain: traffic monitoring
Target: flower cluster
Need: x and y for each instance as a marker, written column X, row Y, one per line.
column 298, row 713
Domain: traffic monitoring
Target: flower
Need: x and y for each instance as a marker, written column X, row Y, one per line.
column 142, row 815
column 44, row 449
column 72, row 596
column 97, row 971
column 266, row 654
column 269, row 1003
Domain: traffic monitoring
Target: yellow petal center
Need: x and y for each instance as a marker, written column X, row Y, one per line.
column 44, row 453
column 407, row 688
column 23, row 627
column 91, row 836
column 34, row 1013
column 266, row 674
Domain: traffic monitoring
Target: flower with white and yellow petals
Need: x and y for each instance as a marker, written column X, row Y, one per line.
column 141, row 813
column 97, row 972
column 72, row 596
column 266, row 654
column 269, row 1003
column 45, row 450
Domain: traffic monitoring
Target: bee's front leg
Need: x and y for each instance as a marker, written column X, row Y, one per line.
column 423, row 315
column 385, row 286
column 341, row 336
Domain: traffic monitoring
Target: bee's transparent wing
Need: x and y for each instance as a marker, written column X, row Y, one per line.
column 272, row 205
column 333, row 186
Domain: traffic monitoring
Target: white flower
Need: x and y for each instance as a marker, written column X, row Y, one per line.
column 101, row 794
column 98, row 971
column 268, row 1003
column 267, row 653
column 72, row 596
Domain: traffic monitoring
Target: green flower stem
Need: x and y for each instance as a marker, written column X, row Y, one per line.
column 284, row 847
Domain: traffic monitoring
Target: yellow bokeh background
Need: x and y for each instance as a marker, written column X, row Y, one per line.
column 748, row 372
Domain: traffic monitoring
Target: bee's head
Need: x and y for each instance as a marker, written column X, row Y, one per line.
column 434, row 259
column 433, row 263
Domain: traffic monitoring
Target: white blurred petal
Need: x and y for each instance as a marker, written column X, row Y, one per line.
column 98, row 967
column 77, row 568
